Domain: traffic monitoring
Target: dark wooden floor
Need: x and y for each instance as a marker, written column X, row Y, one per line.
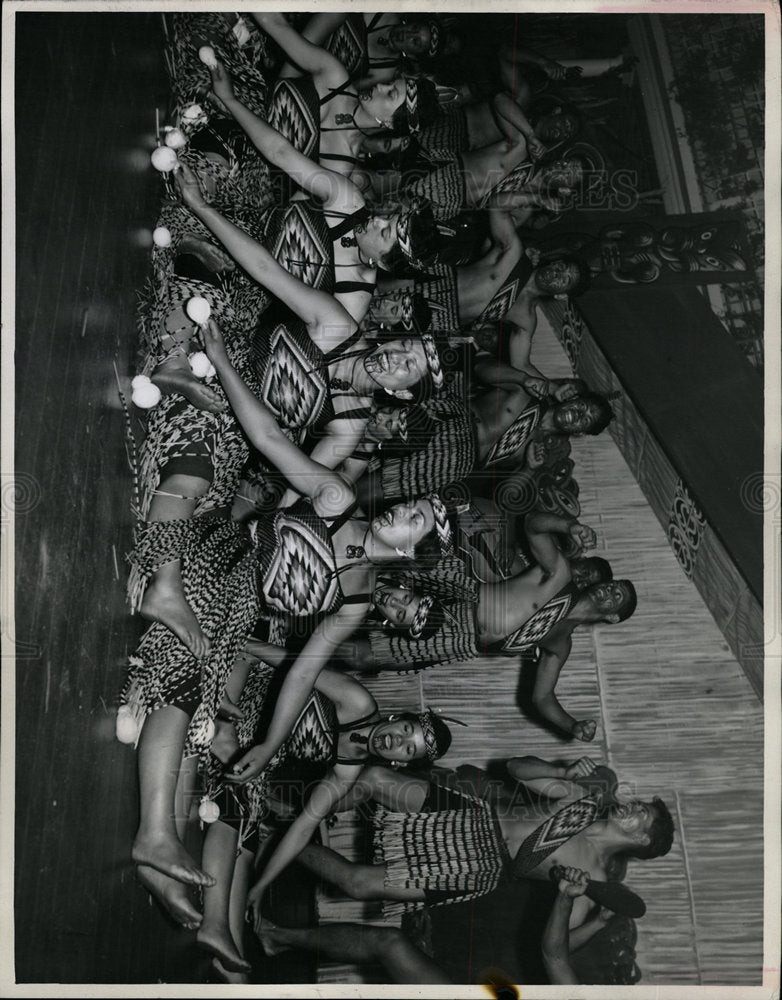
column 87, row 87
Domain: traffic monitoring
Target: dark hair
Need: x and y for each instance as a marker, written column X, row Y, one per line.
column 630, row 604
column 440, row 730
column 423, row 237
column 578, row 383
column 428, row 108
column 604, row 412
column 660, row 834
column 402, row 160
column 584, row 277
column 422, row 313
column 599, row 565
column 428, row 552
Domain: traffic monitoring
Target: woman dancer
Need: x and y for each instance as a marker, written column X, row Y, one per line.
column 339, row 730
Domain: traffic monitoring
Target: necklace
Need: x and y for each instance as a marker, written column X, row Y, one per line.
column 358, row 551
column 344, row 384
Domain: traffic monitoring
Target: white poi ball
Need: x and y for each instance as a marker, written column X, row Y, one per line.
column 198, row 309
column 207, row 56
column 192, row 114
column 200, row 364
column 164, row 159
column 138, row 381
column 146, row 396
column 126, row 727
column 176, row 138
column 208, row 811
column 161, row 236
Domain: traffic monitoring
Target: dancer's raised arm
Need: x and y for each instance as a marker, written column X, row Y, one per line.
column 297, row 687
column 301, row 49
column 327, row 185
column 315, row 308
column 330, row 493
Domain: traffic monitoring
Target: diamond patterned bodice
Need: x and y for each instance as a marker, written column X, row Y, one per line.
column 297, row 563
column 536, row 628
column 349, row 44
column 517, row 436
column 294, row 111
column 298, row 237
column 504, row 298
column 314, row 737
column 291, row 373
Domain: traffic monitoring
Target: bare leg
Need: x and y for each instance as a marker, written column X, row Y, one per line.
column 355, row 880
column 358, row 943
column 397, row 792
column 214, row 934
column 164, row 598
column 212, row 257
column 237, row 906
column 172, row 895
column 159, row 761
column 235, row 684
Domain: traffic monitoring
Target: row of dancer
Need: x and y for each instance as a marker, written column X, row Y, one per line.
column 287, row 387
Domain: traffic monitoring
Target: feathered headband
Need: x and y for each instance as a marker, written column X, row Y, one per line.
column 433, row 359
column 404, row 232
column 432, row 746
column 411, row 105
column 418, row 623
column 442, row 523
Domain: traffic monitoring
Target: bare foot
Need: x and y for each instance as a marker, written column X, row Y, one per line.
column 211, row 257
column 233, row 978
column 172, row 379
column 172, row 896
column 164, row 601
column 220, row 943
column 225, row 744
column 167, row 855
column 230, row 709
column 272, row 938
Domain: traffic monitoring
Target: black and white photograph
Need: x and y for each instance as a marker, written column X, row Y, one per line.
column 391, row 499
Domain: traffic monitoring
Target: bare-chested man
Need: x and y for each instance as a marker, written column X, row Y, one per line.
column 539, row 608
column 442, row 845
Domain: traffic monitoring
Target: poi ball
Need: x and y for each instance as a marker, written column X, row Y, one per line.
column 201, row 365
column 126, row 728
column 199, row 310
column 161, row 236
column 176, row 138
column 207, row 56
column 138, row 381
column 208, row 811
column 146, row 396
column 192, row 113
column 164, row 159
